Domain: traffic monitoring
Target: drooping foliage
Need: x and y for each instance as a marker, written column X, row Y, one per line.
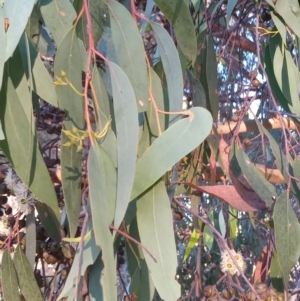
column 133, row 152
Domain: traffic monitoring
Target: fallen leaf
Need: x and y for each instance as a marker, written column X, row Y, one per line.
column 248, row 202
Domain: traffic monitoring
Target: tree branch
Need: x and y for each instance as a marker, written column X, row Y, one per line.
column 250, row 125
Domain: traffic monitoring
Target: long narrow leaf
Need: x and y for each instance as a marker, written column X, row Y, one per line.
column 171, row 64
column 59, row 17
column 126, row 120
column 176, row 142
column 155, row 224
column 17, row 13
column 178, row 14
column 129, row 49
column 27, row 281
column 9, row 279
column 287, row 235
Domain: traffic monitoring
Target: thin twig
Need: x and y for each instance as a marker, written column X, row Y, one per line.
column 134, row 240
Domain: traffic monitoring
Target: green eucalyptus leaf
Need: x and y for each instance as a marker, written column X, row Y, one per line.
column 103, row 187
column 85, row 258
column 102, row 177
column 20, row 145
column 191, row 244
column 291, row 82
column 172, row 69
column 126, row 120
column 176, row 142
column 206, row 71
column 150, row 129
column 233, row 222
column 2, row 48
column 208, row 238
column 9, row 279
column 96, row 280
column 280, row 65
column 280, row 158
column 230, row 7
column 269, row 67
column 280, row 25
column 101, row 100
column 59, row 17
column 71, row 180
column 129, row 48
column 141, row 283
column 27, row 281
column 212, row 78
column 256, row 179
column 276, row 273
column 155, row 224
column 290, row 14
column 197, row 91
column 1, row 132
column 33, row 25
column 31, row 238
column 67, row 60
column 178, row 14
column 17, row 12
column 102, row 110
column 162, row 101
column 222, row 223
column 295, row 172
column 49, row 221
column 287, row 235
column 41, row 79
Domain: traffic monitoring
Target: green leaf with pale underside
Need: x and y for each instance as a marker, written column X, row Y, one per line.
column 68, row 59
column 287, row 235
column 27, row 281
column 127, row 130
column 20, row 146
column 59, row 17
column 176, row 142
column 129, row 48
column 17, row 12
column 41, row 79
column 2, row 48
column 71, row 180
column 9, row 279
column 178, row 14
column 256, row 179
column 102, row 177
column 155, row 224
column 172, row 69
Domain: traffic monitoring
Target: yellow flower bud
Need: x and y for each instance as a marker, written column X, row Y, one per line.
column 59, row 80
column 63, row 73
column 68, row 144
column 67, row 133
column 79, row 148
column 74, row 130
column 73, row 140
column 57, row 83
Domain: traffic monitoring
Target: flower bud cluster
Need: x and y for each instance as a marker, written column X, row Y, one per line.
column 227, row 264
column 22, row 199
column 76, row 137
